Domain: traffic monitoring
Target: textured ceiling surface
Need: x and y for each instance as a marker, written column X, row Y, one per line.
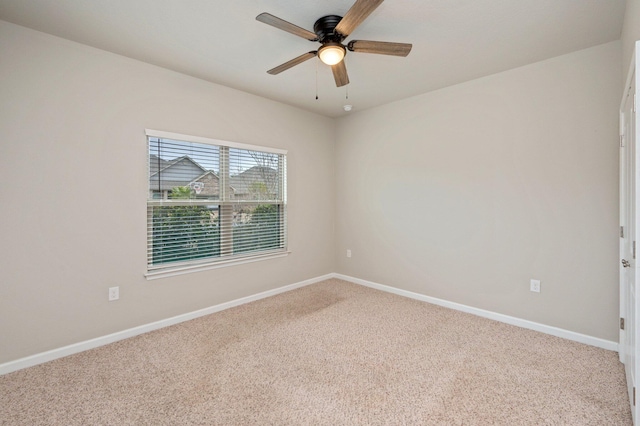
column 220, row 41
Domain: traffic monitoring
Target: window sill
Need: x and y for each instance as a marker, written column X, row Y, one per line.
column 181, row 270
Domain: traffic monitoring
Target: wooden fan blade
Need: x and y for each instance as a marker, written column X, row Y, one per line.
column 292, row 63
column 283, row 25
column 380, row 47
column 358, row 13
column 340, row 74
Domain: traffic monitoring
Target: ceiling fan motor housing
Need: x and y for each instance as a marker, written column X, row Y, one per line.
column 325, row 29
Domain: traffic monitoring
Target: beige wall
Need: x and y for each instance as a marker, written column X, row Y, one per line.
column 469, row 192
column 73, row 189
column 630, row 33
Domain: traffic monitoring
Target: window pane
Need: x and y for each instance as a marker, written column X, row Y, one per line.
column 182, row 233
column 182, row 170
column 255, row 175
column 257, row 227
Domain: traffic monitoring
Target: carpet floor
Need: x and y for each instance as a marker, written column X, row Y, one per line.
column 332, row 353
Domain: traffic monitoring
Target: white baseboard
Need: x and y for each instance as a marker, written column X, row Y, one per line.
column 547, row 329
column 43, row 357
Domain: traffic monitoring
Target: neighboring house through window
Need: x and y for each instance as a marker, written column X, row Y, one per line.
column 212, row 202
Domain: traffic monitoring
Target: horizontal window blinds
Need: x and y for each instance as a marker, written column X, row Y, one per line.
column 211, row 201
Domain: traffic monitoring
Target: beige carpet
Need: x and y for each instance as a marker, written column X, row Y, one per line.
column 332, row 353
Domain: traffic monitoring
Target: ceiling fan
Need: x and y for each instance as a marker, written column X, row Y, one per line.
column 331, row 31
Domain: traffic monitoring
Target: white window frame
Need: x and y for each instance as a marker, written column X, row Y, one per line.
column 228, row 259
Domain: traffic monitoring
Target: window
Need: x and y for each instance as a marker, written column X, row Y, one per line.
column 212, row 202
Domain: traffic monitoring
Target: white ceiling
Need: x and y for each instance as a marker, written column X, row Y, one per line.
column 220, row 41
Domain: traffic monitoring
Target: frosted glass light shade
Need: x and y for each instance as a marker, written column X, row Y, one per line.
column 331, row 54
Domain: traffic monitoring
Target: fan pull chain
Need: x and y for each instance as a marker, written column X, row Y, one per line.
column 317, row 80
column 346, row 86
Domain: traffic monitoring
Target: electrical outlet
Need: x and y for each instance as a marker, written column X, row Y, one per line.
column 348, row 252
column 535, row 286
column 114, row 293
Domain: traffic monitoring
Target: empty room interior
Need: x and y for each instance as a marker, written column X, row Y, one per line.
column 206, row 221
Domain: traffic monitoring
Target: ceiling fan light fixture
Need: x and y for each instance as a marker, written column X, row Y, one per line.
column 331, row 31
column 332, row 53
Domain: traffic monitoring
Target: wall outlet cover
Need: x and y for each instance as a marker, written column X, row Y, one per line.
column 114, row 293
column 535, row 286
